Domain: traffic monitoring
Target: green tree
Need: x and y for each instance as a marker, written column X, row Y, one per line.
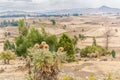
column 7, row 45
column 22, row 44
column 53, row 22
column 35, row 36
column 52, row 42
column 68, row 45
column 7, row 56
column 75, row 40
column 23, row 30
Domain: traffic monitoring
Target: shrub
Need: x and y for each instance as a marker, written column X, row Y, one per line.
column 33, row 37
column 23, row 28
column 51, row 40
column 46, row 63
column 7, row 56
column 22, row 44
column 9, row 46
column 82, row 37
column 93, row 51
column 94, row 42
column 53, row 22
column 92, row 77
column 113, row 53
column 68, row 45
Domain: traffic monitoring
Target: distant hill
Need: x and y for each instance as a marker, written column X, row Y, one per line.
column 106, row 9
column 101, row 10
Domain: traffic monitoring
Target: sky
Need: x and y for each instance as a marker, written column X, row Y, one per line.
column 43, row 5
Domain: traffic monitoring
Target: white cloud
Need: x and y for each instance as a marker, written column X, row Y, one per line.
column 39, row 1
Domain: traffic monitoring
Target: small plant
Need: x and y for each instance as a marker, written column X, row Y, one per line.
column 7, row 56
column 9, row 46
column 94, row 42
column 113, row 53
column 109, row 77
column 92, row 77
column 53, row 22
column 82, row 37
column 67, row 78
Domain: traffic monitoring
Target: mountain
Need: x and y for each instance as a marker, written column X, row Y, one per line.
column 101, row 10
column 106, row 9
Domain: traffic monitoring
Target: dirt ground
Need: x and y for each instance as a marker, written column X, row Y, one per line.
column 81, row 69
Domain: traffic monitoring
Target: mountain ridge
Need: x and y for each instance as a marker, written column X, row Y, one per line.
column 100, row 10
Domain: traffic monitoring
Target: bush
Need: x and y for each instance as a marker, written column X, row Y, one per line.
column 68, row 45
column 82, row 37
column 7, row 56
column 33, row 37
column 53, row 22
column 22, row 44
column 45, row 63
column 113, row 53
column 93, row 51
column 9, row 46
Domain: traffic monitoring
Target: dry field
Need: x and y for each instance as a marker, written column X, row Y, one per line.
column 81, row 69
column 94, row 26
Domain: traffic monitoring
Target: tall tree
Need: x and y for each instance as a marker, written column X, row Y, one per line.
column 68, row 45
column 23, row 30
column 35, row 36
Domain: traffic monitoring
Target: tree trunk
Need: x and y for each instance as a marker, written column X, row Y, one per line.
column 5, row 62
column 107, row 38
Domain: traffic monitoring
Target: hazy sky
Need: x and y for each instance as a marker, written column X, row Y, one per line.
column 42, row 5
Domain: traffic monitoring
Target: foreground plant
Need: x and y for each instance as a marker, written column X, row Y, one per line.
column 45, row 63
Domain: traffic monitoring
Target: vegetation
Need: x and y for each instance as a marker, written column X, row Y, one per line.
column 7, row 56
column 28, row 39
column 82, row 37
column 22, row 45
column 113, row 53
column 46, row 63
column 94, row 50
column 23, row 29
column 21, row 41
column 34, row 36
column 6, row 23
column 94, row 42
column 9, row 46
column 53, row 22
column 76, row 14
column 68, row 45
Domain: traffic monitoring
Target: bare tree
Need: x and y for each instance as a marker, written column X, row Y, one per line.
column 108, row 32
